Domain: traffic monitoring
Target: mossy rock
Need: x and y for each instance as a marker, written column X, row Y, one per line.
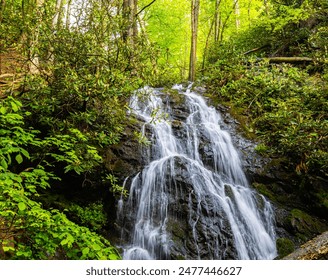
column 176, row 229
column 177, row 124
column 262, row 189
column 179, row 257
column 121, row 166
column 175, row 97
column 304, row 225
column 285, row 246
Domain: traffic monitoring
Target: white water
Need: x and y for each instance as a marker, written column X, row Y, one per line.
column 221, row 191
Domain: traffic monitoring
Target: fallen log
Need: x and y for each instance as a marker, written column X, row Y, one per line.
column 291, row 60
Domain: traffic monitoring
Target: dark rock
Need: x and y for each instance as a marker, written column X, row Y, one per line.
column 127, row 158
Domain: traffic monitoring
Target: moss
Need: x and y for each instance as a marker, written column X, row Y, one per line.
column 284, row 247
column 304, row 225
column 180, row 257
column 120, row 166
column 262, row 189
column 262, row 149
column 175, row 96
column 177, row 230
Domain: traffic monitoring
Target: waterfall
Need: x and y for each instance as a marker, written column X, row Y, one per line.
column 192, row 198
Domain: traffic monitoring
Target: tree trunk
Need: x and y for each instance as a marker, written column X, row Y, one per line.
column 225, row 22
column 56, row 19
column 266, row 7
column 34, row 64
column 130, row 10
column 237, row 13
column 207, row 41
column 134, row 20
column 217, row 21
column 68, row 14
column 194, row 31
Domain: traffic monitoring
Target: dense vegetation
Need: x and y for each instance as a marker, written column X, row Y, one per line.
column 62, row 102
column 65, row 82
column 284, row 105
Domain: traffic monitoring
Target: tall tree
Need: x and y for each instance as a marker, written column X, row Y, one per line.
column 217, row 20
column 57, row 17
column 237, row 13
column 194, row 32
column 130, row 11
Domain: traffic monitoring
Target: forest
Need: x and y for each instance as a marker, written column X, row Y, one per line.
column 68, row 70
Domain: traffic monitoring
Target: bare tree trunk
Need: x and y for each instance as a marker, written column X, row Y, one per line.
column 34, row 64
column 266, row 7
column 68, row 14
column 217, row 20
column 129, row 10
column 207, row 41
column 56, row 19
column 194, row 31
column 237, row 13
column 292, row 60
column 134, row 20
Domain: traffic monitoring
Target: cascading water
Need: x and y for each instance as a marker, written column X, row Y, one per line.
column 193, row 198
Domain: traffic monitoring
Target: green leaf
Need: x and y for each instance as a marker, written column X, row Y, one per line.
column 85, row 251
column 4, row 164
column 96, row 247
column 7, row 248
column 114, row 257
column 25, row 153
column 19, row 158
column 21, row 206
column 3, row 110
column 14, row 106
column 64, row 242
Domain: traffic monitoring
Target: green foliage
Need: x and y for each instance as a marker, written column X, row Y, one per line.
column 91, row 216
column 261, row 148
column 288, row 109
column 74, row 151
column 116, row 188
column 28, row 230
column 296, row 28
column 168, row 27
column 79, row 77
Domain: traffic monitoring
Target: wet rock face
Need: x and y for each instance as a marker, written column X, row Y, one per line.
column 189, row 242
column 184, row 210
column 127, row 158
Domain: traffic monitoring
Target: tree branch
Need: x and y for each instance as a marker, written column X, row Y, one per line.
column 145, row 7
column 256, row 49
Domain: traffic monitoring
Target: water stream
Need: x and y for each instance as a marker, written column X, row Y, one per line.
column 192, row 198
